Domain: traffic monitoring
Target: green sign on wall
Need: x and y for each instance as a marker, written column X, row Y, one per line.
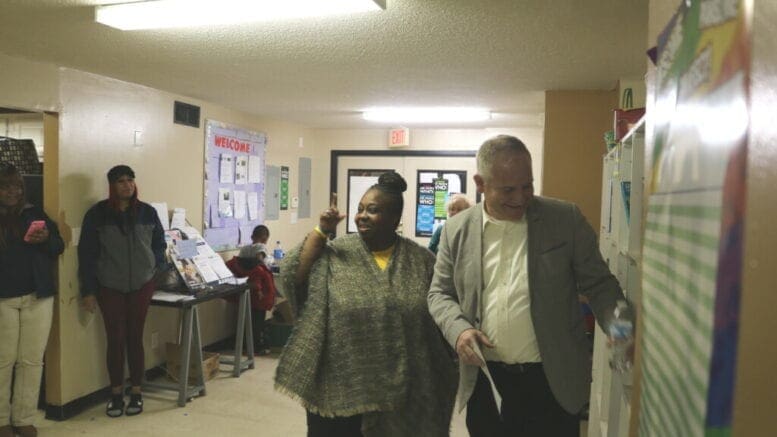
column 284, row 188
column 440, row 197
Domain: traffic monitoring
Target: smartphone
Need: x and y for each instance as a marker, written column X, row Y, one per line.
column 36, row 225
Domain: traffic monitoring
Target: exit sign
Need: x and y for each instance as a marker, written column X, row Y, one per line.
column 399, row 137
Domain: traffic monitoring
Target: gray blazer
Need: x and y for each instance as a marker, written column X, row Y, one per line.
column 563, row 261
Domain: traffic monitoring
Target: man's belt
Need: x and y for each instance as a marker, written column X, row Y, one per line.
column 515, row 368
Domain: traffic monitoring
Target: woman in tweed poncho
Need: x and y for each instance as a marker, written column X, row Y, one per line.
column 365, row 358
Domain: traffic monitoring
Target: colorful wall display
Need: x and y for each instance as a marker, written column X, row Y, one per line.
column 692, row 254
column 433, row 189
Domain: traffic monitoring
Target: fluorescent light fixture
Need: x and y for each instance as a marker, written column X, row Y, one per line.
column 426, row 115
column 161, row 14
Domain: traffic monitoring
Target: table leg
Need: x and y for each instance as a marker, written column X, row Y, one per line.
column 197, row 344
column 186, row 346
column 241, row 316
column 248, row 326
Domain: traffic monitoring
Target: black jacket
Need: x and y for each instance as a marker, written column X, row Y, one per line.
column 43, row 255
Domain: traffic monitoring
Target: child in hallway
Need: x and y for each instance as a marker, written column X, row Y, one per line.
column 259, row 238
column 250, row 263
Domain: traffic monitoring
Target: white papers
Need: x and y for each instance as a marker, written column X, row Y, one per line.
column 294, row 217
column 241, row 170
column 87, row 317
column 203, row 266
column 161, row 212
column 218, row 266
column 165, row 296
column 179, row 218
column 204, row 249
column 227, row 169
column 426, row 178
column 240, row 204
column 225, row 202
column 254, row 169
column 454, row 182
column 253, row 205
column 484, row 368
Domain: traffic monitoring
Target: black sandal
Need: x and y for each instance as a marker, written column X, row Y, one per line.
column 135, row 405
column 115, row 407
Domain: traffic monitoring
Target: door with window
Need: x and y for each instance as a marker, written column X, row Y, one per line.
column 356, row 173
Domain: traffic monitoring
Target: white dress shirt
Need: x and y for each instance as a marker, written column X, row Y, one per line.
column 506, row 318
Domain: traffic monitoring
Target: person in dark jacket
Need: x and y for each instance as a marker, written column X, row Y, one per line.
column 26, row 303
column 122, row 248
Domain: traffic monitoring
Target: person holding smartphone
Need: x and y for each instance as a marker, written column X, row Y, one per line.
column 121, row 250
column 29, row 246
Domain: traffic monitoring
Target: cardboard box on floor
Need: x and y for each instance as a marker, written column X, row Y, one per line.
column 210, row 363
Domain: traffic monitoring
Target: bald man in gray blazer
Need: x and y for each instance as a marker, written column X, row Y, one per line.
column 507, row 279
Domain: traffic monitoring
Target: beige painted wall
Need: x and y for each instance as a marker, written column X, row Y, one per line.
column 97, row 120
column 575, row 122
column 755, row 395
column 430, row 139
column 28, row 85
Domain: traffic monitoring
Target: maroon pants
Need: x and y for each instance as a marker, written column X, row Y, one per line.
column 124, row 315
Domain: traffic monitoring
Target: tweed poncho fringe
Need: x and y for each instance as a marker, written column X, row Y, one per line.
column 365, row 343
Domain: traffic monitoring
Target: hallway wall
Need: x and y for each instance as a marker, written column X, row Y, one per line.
column 97, row 120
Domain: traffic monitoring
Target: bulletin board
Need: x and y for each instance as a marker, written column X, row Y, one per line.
column 235, row 177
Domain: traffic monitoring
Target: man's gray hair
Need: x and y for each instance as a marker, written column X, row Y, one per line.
column 494, row 146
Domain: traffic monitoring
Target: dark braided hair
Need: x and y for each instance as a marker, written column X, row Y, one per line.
column 392, row 185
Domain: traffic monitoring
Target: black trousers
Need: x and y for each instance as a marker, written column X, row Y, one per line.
column 350, row 426
column 257, row 323
column 529, row 408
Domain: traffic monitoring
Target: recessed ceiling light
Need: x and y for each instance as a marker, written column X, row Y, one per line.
column 160, row 14
column 426, row 115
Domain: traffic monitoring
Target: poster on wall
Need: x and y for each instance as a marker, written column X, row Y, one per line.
column 233, row 199
column 692, row 254
column 284, row 188
column 424, row 220
column 440, row 198
column 433, row 189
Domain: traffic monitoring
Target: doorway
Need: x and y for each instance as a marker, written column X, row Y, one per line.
column 353, row 171
column 30, row 140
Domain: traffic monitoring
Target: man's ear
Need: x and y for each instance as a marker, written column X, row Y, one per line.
column 479, row 183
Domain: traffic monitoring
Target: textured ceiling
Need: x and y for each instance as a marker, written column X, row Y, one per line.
column 499, row 54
